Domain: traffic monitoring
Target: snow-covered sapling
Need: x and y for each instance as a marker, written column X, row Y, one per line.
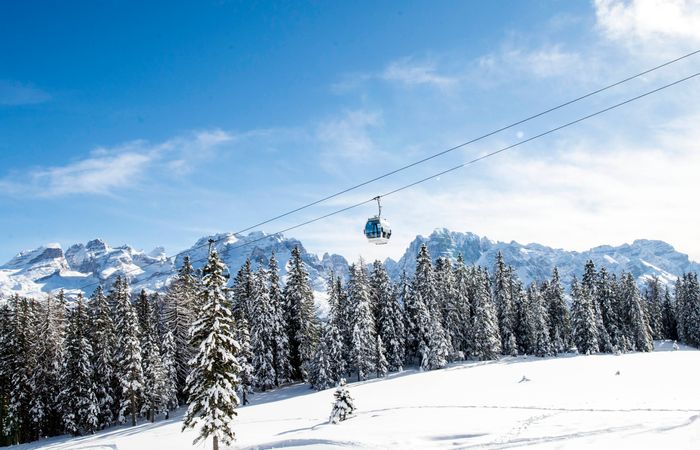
column 344, row 405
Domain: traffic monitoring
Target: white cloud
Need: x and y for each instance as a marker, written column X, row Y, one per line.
column 650, row 25
column 348, row 138
column 412, row 73
column 13, row 93
column 108, row 170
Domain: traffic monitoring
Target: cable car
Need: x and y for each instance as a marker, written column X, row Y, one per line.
column 377, row 229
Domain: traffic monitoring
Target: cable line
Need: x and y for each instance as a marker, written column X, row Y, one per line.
column 464, row 144
column 422, row 180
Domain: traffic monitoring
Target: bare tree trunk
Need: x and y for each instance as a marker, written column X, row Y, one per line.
column 133, row 409
column 216, row 443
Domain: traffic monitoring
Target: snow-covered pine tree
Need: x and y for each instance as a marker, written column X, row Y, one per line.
column 214, row 378
column 45, row 409
column 583, row 323
column 669, row 323
column 463, row 286
column 153, row 398
column 245, row 360
column 302, row 329
column 653, row 298
column 537, row 323
column 21, row 364
column 389, row 316
column 242, row 292
column 504, row 306
column 79, row 402
column 446, row 287
column 168, row 352
column 689, row 309
column 589, row 283
column 331, row 334
column 381, row 366
column 180, row 304
column 518, row 298
column 363, row 326
column 321, row 374
column 637, row 327
column 434, row 345
column 262, row 332
column 486, row 336
column 606, row 299
column 558, row 314
column 344, row 405
column 280, row 340
column 104, row 342
column 128, row 357
column 6, row 354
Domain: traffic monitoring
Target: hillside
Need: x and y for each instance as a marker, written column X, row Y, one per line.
column 50, row 267
column 568, row 402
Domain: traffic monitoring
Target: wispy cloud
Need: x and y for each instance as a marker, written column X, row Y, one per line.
column 108, row 170
column 409, row 72
column 348, row 138
column 14, row 93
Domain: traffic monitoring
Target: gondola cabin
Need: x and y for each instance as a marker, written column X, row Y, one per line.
column 377, row 230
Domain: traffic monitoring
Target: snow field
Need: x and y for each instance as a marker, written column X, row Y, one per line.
column 568, row 402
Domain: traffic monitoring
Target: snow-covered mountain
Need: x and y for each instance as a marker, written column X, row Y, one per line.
column 534, row 262
column 50, row 267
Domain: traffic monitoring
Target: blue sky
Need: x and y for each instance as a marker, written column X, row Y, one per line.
column 155, row 123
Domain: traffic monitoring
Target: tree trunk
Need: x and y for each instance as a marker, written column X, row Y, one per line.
column 216, row 443
column 133, row 409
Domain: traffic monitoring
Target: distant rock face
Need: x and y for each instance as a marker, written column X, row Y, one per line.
column 49, row 268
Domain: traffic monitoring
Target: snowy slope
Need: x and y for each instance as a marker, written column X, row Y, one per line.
column 49, row 268
column 570, row 402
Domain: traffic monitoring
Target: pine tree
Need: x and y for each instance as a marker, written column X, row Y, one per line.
column 652, row 296
column 302, row 330
column 262, row 333
column 537, row 323
column 80, row 404
column 558, row 314
column 153, row 399
column 434, row 346
column 344, row 405
column 487, row 338
column 637, row 327
column 389, row 317
column 519, row 300
column 215, row 369
column 170, row 400
column 128, row 367
column 363, row 328
column 381, row 366
column 321, row 374
column 668, row 317
column 179, row 310
column 688, row 309
column 280, row 355
column 504, row 306
column 583, row 323
column 21, row 365
column 245, row 360
column 104, row 341
column 45, row 408
column 242, row 292
column 463, row 286
column 608, row 303
column 589, row 283
column 446, row 287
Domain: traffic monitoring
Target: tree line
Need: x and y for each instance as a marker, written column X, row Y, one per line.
column 209, row 342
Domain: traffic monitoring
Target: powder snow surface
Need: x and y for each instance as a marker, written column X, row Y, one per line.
column 568, row 402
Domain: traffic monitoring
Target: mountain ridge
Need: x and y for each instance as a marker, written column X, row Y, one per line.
column 48, row 268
